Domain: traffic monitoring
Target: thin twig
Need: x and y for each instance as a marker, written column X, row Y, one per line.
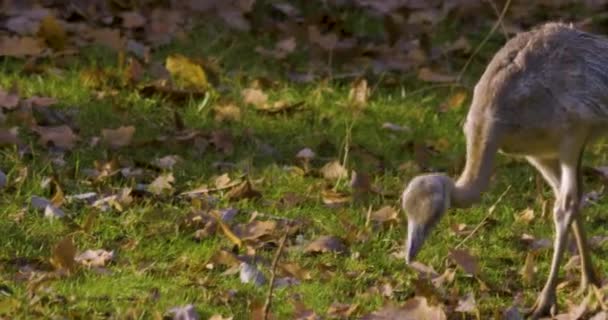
column 272, row 276
column 497, row 12
column 483, row 221
column 483, row 42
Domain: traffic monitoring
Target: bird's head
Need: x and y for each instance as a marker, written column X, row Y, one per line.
column 425, row 200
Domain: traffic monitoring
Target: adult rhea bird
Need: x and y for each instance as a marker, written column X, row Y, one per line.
column 543, row 96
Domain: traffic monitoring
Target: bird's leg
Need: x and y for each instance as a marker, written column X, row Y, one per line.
column 588, row 275
column 550, row 170
column 566, row 209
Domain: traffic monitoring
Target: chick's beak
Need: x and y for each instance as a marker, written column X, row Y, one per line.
column 415, row 237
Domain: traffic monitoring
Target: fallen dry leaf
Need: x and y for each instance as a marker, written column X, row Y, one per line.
column 525, row 216
column 9, row 136
column 163, row 184
column 20, row 47
column 243, row 191
column 132, row 20
column 249, row 273
column 384, row 214
column 335, row 198
column 255, row 230
column 9, row 100
column 227, row 112
column 187, row 312
column 60, row 136
column 426, row 74
column 186, row 72
column 467, row 304
column 529, row 268
column 341, row 310
column 333, row 171
column 415, row 308
column 465, row 260
column 107, row 37
column 94, row 258
column 454, row 101
column 53, row 33
column 255, row 97
column 326, row 244
column 119, row 137
column 167, row 162
column 359, row 93
column 63, row 255
column 295, row 270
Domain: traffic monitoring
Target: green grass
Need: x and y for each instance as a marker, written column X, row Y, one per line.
column 158, row 264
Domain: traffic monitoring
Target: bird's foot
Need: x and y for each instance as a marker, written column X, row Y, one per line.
column 545, row 305
column 588, row 281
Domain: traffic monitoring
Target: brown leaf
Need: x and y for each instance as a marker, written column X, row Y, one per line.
column 359, row 93
column 454, row 102
column 8, row 100
column 225, row 258
column 465, row 260
column 525, row 216
column 333, row 171
column 119, row 137
column 467, row 304
column 446, row 278
column 243, row 191
column 326, row 244
column 60, row 136
column 36, row 101
column 255, row 97
column 335, row 198
column 415, row 308
column 326, row 41
column 295, row 270
column 53, row 33
column 162, row 184
column 63, row 255
column 341, row 310
column 94, row 258
column 255, row 230
column 423, row 270
column 227, row 112
column 132, row 20
column 426, row 74
column 223, row 141
column 9, row 136
column 20, row 47
column 385, row 214
column 110, row 38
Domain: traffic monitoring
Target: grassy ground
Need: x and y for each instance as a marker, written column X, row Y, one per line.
column 159, row 265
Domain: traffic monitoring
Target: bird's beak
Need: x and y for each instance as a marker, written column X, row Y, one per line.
column 415, row 237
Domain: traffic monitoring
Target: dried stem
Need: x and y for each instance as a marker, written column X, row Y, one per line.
column 483, row 42
column 483, row 221
column 273, row 275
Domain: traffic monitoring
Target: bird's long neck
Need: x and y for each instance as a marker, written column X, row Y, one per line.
column 482, row 146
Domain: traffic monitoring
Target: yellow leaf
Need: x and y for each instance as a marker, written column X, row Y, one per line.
column 186, row 72
column 229, row 234
column 58, row 197
column 63, row 255
column 52, row 32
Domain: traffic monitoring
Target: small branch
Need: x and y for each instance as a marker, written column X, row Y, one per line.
column 272, row 276
column 483, row 221
column 502, row 24
column 483, row 42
